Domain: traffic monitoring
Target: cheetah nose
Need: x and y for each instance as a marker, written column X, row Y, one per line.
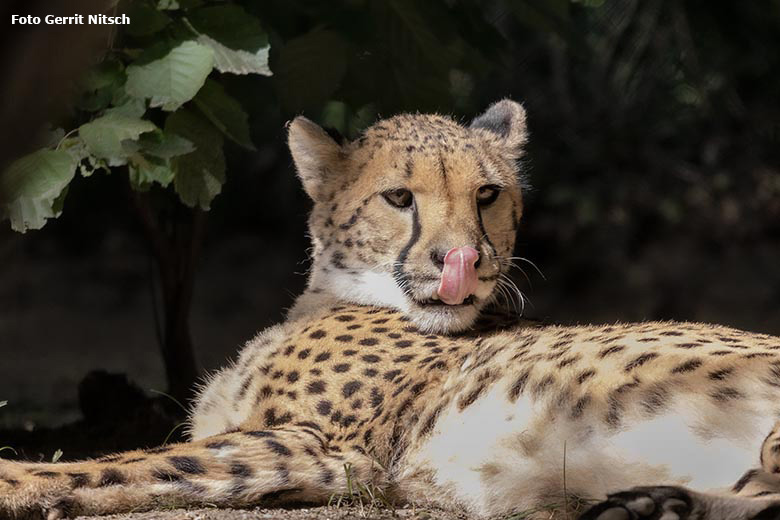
column 459, row 275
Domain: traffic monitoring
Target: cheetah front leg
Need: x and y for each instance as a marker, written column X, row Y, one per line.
column 678, row 503
column 239, row 469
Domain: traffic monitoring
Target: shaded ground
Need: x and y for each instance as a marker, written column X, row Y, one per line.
column 317, row 513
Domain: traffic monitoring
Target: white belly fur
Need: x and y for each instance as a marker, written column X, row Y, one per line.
column 496, row 456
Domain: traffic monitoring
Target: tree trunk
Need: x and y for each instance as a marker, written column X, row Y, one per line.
column 176, row 253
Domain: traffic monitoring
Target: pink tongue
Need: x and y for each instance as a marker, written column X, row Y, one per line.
column 458, row 277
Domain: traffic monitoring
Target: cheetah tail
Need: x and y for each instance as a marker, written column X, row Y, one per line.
column 237, row 469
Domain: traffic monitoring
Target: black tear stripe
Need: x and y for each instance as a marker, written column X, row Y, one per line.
column 444, row 179
column 398, row 271
column 484, row 233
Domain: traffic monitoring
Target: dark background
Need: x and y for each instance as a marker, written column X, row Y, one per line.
column 653, row 161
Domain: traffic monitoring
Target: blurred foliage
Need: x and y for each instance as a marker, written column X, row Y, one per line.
column 679, row 97
column 130, row 113
column 655, row 124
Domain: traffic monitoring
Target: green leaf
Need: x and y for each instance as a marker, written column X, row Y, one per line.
column 56, row 456
column 129, row 108
column 198, row 176
column 104, row 135
column 310, row 69
column 225, row 112
column 237, row 61
column 145, row 19
column 174, row 79
column 168, row 5
column 144, row 173
column 230, row 25
column 164, row 145
column 29, row 188
column 99, row 86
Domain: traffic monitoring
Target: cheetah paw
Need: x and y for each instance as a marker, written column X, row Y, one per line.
column 646, row 503
column 677, row 503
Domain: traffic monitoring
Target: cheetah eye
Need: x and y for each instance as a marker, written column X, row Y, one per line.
column 400, row 197
column 487, row 195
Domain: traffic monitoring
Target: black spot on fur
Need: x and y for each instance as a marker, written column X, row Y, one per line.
column 46, row 474
column 585, row 376
column 341, row 367
column 323, row 356
column 303, row 354
column 349, row 389
column 417, row 388
column 579, row 407
column 78, row 480
column 344, row 338
column 239, row 469
column 720, row 375
column 654, row 399
column 726, row 394
column 688, row 366
column 273, row 420
column 326, row 476
column 276, row 496
column 259, row 434
column 518, row 386
column 391, row 374
column 345, row 317
column 640, row 360
column 264, row 393
column 324, row 407
column 111, row 477
column 610, row 350
column 370, row 372
column 368, row 342
column 371, row 358
column 316, row 387
column 166, row 475
column 318, row 334
column 377, row 397
column 469, row 399
column 278, row 448
column 187, row 464
column 404, row 343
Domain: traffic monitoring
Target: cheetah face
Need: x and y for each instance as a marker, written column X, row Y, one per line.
column 419, row 213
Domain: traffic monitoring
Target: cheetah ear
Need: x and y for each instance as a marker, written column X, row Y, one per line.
column 505, row 121
column 316, row 155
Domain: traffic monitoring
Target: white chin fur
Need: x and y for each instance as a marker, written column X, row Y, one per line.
column 380, row 289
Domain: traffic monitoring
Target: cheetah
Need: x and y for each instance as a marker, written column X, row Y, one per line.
column 384, row 372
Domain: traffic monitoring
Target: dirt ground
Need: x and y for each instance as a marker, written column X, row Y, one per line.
column 317, row 513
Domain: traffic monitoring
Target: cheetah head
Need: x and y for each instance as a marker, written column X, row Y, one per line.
column 419, row 213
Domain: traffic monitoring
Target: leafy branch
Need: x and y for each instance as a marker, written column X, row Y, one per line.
column 154, row 110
